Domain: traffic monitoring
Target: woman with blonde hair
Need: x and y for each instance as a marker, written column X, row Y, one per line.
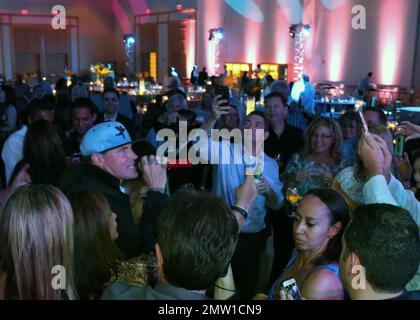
column 320, row 162
column 36, row 251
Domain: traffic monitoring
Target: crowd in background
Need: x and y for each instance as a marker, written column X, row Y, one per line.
column 84, row 189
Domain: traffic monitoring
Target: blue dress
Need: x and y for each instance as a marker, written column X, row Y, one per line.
column 333, row 267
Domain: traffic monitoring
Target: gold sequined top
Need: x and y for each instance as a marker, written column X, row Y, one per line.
column 138, row 271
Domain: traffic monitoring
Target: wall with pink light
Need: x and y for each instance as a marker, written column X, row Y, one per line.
column 259, row 32
column 96, row 24
column 245, row 40
column 386, row 47
column 334, row 52
column 126, row 10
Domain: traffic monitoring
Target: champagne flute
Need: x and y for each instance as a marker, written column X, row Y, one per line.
column 293, row 197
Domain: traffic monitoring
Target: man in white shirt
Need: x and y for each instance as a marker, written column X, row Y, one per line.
column 307, row 97
column 228, row 174
column 12, row 151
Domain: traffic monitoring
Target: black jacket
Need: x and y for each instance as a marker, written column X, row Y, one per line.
column 127, row 123
column 290, row 142
column 132, row 239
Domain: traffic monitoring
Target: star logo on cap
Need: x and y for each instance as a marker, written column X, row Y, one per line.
column 121, row 131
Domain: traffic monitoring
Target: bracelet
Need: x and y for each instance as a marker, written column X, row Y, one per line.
column 240, row 210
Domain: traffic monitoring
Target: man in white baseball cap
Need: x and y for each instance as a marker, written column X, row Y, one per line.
column 109, row 160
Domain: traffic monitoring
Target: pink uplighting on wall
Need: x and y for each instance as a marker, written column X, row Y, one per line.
column 390, row 37
column 337, row 43
column 336, row 59
column 211, row 56
column 139, row 6
column 24, row 11
column 282, row 38
column 334, row 51
column 389, row 62
column 212, row 13
column 251, row 42
column 121, row 15
column 190, row 36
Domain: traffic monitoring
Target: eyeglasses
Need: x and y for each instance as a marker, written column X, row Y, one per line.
column 321, row 136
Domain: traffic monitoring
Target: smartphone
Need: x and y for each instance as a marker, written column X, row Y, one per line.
column 365, row 127
column 399, row 145
column 290, row 287
column 223, row 91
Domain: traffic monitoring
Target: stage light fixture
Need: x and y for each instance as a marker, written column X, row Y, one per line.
column 306, row 30
column 219, row 34
column 129, row 39
column 292, row 31
column 216, row 33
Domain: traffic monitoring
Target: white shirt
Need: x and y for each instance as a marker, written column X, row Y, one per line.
column 230, row 174
column 307, row 98
column 12, row 151
column 376, row 190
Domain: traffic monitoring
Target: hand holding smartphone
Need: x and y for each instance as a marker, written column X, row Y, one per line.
column 219, row 107
column 290, row 286
column 223, row 91
column 399, row 145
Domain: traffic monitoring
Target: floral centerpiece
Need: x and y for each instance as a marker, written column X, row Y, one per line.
column 100, row 71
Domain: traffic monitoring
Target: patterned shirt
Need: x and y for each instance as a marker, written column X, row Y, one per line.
column 351, row 185
column 321, row 174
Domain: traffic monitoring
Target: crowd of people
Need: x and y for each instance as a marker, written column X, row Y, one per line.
column 85, row 189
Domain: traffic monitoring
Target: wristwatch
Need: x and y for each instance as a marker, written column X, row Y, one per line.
column 240, row 210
